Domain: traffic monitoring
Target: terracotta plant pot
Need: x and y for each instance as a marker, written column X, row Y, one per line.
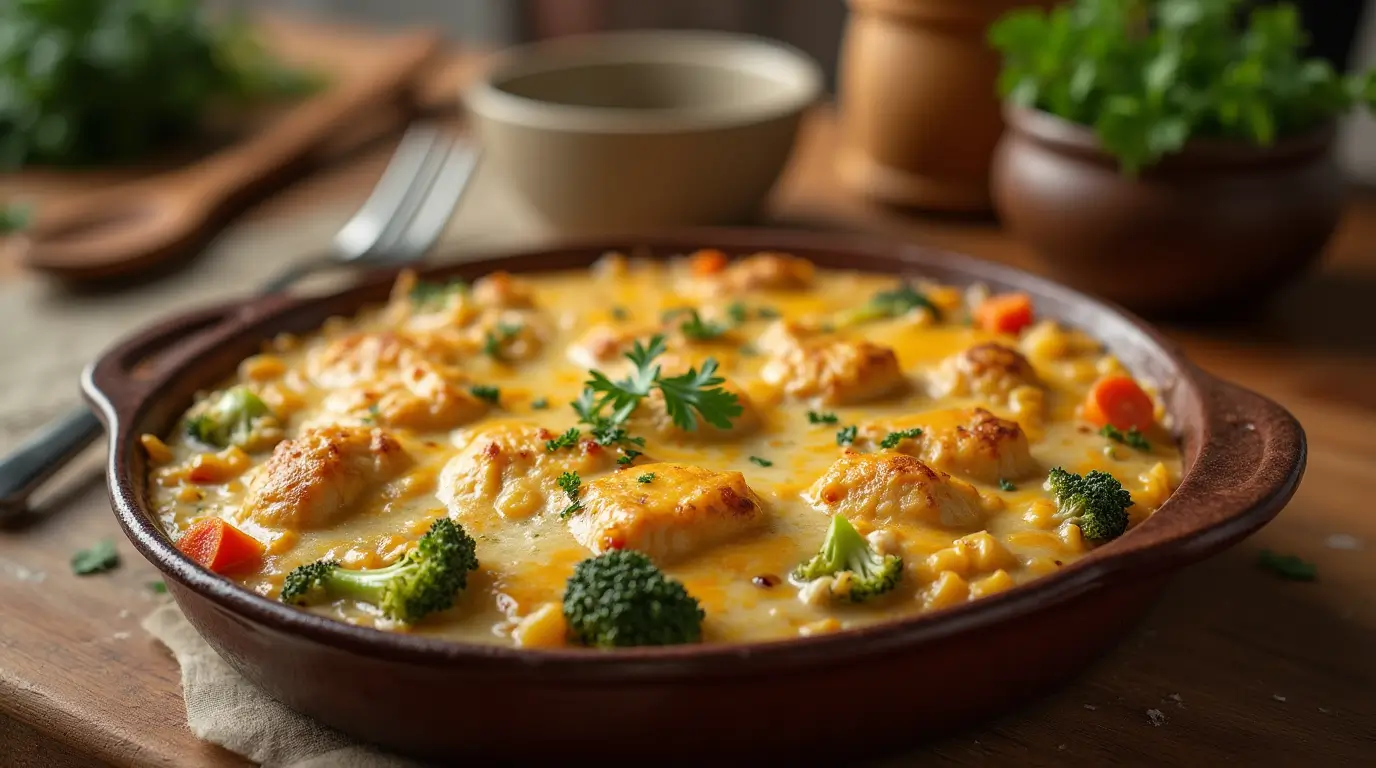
column 919, row 110
column 1213, row 226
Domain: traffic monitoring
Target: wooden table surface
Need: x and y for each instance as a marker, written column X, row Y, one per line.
column 1248, row 669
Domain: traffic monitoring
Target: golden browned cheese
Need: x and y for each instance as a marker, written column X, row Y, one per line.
column 932, row 436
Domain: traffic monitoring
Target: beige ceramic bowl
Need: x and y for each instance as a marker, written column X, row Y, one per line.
column 642, row 130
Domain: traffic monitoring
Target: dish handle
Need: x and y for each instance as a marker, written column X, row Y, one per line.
column 1246, row 468
column 128, row 372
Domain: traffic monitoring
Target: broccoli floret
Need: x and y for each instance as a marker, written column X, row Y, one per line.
column 845, row 551
column 1096, row 502
column 885, row 305
column 428, row 579
column 229, row 420
column 620, row 599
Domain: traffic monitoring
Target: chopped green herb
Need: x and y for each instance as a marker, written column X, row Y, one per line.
column 886, row 305
column 13, row 218
column 846, row 436
column 1132, row 438
column 540, row 404
column 157, row 587
column 629, row 457
column 696, row 390
column 571, row 484
column 495, row 339
column 566, row 440
column 620, row 314
column 426, row 295
column 767, row 313
column 484, row 392
column 813, row 417
column 1004, row 485
column 373, row 412
column 1287, row 566
column 99, row 558
column 892, row 439
column 748, row 350
column 738, row 312
column 761, row 461
column 701, row 330
column 645, row 478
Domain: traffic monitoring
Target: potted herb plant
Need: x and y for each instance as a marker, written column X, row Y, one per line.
column 1170, row 155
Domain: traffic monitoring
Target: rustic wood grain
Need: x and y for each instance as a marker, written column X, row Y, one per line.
column 1246, row 668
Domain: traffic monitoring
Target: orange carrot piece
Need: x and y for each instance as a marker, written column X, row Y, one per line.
column 1005, row 313
column 1119, row 401
column 708, row 261
column 219, row 546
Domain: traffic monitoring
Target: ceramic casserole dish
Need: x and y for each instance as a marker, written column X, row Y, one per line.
column 1242, row 459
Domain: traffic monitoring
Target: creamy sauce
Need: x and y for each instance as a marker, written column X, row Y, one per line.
column 742, row 583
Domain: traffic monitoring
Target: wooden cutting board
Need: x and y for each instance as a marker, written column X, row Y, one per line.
column 375, row 82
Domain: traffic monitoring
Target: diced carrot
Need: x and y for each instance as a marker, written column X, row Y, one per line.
column 708, row 261
column 1005, row 313
column 1118, row 400
column 219, row 546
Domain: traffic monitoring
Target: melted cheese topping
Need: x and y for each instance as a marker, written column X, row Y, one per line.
column 732, row 511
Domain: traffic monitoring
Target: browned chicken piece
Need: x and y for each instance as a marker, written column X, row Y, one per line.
column 507, row 472
column 989, row 370
column 500, row 290
column 971, row 442
column 768, row 271
column 317, row 478
column 835, row 372
column 681, row 511
column 886, row 488
column 604, row 346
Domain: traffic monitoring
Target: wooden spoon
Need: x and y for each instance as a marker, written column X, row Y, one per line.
column 131, row 227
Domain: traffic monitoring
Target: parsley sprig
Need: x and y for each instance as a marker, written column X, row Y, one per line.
column 886, row 305
column 1131, row 438
column 610, row 403
column 572, row 485
column 892, row 439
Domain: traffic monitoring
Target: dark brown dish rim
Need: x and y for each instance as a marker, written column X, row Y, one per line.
column 1243, row 459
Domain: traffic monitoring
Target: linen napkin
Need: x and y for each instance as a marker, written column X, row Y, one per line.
column 224, row 708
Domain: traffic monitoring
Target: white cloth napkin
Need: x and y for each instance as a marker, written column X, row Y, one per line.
column 225, row 709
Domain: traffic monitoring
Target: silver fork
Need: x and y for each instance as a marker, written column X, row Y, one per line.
column 399, row 223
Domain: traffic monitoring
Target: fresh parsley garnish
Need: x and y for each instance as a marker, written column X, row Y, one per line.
column 571, row 484
column 426, row 295
column 373, row 412
column 813, row 417
column 701, row 330
column 645, row 478
column 99, row 558
column 157, row 587
column 696, row 391
column 497, row 338
column 566, row 440
column 1132, row 438
column 767, row 313
column 540, row 404
column 484, row 392
column 892, row 439
column 740, row 313
column 1004, row 485
column 761, row 461
column 628, row 457
column 1287, row 566
column 846, row 436
column 885, row 305
column 619, row 313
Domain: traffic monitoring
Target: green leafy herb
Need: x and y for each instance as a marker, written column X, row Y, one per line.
column 1287, row 566
column 428, row 295
column 761, row 461
column 494, row 340
column 701, row 330
column 373, row 413
column 738, row 312
column 885, row 305
column 620, row 314
column 645, row 478
column 1132, row 438
column 628, row 457
column 846, row 436
column 540, row 404
column 1004, row 485
column 157, row 587
column 99, row 558
column 571, row 484
column 484, row 392
column 1150, row 76
column 892, row 439
column 13, row 218
column 748, row 350
column 566, row 440
column 813, row 417
column 767, row 313
column 696, row 391
column 100, row 83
